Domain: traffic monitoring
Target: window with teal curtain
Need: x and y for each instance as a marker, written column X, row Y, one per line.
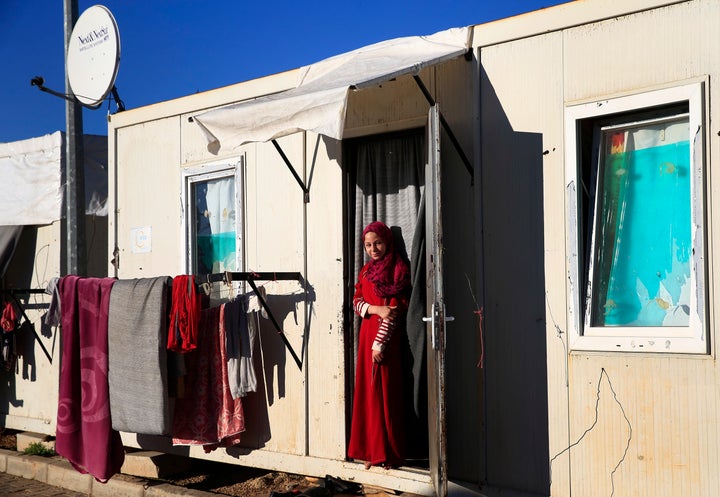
column 642, row 237
column 636, row 228
column 214, row 229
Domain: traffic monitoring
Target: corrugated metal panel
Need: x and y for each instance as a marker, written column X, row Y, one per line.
column 27, row 402
column 662, row 409
column 326, row 346
column 521, row 115
column 641, row 51
column 147, row 166
column 670, row 402
column 558, row 18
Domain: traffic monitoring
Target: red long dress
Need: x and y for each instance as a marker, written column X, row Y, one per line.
column 377, row 434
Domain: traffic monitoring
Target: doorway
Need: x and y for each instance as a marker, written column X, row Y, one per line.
column 384, row 179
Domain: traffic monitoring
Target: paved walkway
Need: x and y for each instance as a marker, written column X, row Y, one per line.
column 22, row 475
column 15, row 486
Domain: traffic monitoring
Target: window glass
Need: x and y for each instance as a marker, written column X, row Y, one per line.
column 642, row 233
column 635, row 213
column 214, row 225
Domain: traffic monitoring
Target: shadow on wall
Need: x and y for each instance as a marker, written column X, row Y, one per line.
column 516, row 398
column 21, row 353
column 271, row 357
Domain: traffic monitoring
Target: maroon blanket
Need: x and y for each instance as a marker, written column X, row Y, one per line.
column 208, row 415
column 84, row 430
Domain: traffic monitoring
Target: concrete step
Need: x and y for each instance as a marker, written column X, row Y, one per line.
column 151, row 464
column 26, row 438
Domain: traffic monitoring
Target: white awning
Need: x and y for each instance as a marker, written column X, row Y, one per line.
column 319, row 100
column 30, row 187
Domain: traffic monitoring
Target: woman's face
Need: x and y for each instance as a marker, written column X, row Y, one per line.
column 374, row 246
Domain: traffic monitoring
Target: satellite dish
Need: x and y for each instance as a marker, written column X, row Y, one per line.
column 93, row 56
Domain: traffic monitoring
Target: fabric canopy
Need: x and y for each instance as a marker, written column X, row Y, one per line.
column 31, row 188
column 318, row 101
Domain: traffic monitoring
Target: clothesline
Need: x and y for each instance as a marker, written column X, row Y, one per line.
column 251, row 277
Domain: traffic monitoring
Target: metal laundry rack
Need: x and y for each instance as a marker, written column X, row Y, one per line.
column 14, row 292
column 251, row 278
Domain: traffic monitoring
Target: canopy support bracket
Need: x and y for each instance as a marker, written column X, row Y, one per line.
column 447, row 128
column 306, row 192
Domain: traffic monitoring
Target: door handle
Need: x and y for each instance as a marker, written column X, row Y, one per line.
column 433, row 340
column 433, row 319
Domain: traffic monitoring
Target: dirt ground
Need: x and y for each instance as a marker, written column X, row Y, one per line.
column 224, row 479
column 230, row 479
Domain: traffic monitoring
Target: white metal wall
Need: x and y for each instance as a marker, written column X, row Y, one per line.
column 304, row 411
column 670, row 401
column 29, row 393
column 28, row 398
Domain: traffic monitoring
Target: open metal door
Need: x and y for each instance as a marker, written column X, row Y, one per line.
column 435, row 308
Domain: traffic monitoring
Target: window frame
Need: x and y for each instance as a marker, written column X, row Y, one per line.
column 691, row 339
column 205, row 172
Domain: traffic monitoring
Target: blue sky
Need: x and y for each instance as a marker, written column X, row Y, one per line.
column 173, row 48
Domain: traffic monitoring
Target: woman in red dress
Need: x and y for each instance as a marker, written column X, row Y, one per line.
column 381, row 297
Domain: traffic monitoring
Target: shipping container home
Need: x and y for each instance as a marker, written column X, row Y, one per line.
column 580, row 360
column 550, row 177
column 295, row 200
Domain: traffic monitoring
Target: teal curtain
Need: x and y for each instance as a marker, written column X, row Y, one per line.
column 644, row 235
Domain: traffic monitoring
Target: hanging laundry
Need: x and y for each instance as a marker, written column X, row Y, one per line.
column 241, row 331
column 8, row 349
column 137, row 354
column 53, row 315
column 184, row 315
column 208, row 415
column 9, row 318
column 84, row 434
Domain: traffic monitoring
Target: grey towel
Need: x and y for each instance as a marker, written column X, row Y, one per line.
column 137, row 356
column 240, row 331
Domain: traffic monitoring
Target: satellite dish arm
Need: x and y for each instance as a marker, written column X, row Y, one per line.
column 120, row 104
column 40, row 83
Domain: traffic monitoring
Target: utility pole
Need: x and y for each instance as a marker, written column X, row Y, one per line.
column 76, row 255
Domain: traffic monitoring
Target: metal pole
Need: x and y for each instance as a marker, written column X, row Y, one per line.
column 74, row 165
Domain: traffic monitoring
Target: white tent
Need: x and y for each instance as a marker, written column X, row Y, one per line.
column 30, row 181
column 31, row 174
column 318, row 101
column 32, row 189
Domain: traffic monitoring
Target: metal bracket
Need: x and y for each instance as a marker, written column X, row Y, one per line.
column 305, row 190
column 40, row 83
column 447, row 129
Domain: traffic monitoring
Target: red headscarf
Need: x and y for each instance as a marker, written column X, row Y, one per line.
column 391, row 274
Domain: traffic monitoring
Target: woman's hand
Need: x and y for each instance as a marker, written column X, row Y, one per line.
column 377, row 356
column 384, row 311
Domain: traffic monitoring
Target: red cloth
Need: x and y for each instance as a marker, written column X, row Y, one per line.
column 9, row 317
column 184, row 315
column 377, row 434
column 84, row 429
column 208, row 415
